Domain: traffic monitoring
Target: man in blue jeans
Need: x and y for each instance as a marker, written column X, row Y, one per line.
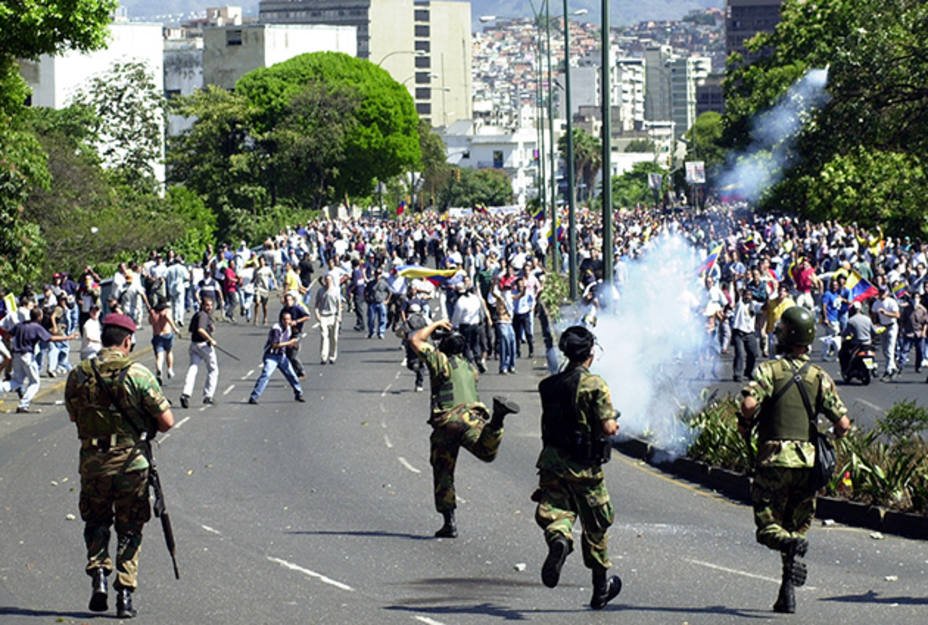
column 279, row 339
column 377, row 294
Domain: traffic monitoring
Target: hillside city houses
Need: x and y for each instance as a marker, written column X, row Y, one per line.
column 486, row 84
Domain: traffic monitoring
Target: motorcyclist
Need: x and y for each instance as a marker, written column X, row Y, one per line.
column 858, row 333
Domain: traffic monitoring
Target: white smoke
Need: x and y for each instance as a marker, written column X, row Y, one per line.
column 652, row 338
column 773, row 134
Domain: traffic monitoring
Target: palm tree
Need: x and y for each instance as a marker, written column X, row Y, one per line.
column 588, row 159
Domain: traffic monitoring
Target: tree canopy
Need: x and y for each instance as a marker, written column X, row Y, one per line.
column 875, row 121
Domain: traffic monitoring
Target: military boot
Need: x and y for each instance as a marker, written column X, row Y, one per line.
column 501, row 408
column 557, row 554
column 604, row 590
column 98, row 591
column 793, row 569
column 449, row 529
column 124, row 607
column 786, row 600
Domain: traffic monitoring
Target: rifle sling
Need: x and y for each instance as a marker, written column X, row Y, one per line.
column 142, row 445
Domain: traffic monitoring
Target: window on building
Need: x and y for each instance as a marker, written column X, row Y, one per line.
column 421, row 30
column 423, row 62
column 421, row 15
column 423, row 78
column 423, row 93
column 170, row 94
column 424, row 108
column 497, row 159
column 423, row 46
column 233, row 37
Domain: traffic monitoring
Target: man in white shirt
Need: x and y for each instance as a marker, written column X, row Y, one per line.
column 466, row 319
column 886, row 308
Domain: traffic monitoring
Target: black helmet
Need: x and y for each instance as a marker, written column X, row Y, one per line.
column 577, row 343
column 796, row 327
column 450, row 343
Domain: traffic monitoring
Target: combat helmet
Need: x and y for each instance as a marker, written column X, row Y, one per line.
column 796, row 327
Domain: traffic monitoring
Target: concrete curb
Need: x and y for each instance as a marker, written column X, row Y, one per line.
column 737, row 486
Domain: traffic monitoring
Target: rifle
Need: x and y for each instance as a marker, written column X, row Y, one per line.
column 144, row 444
column 226, row 352
column 160, row 509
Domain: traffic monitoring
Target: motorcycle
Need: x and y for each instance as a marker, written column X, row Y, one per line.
column 861, row 365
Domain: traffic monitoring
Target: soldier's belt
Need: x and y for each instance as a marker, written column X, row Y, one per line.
column 105, row 443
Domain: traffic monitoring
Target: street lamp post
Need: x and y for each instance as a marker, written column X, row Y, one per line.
column 412, row 52
column 555, row 257
column 571, row 207
column 607, row 152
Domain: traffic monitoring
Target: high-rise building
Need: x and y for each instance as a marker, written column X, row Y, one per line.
column 629, row 83
column 670, row 86
column 746, row 18
column 423, row 44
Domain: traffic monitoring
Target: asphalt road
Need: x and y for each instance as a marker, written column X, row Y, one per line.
column 322, row 513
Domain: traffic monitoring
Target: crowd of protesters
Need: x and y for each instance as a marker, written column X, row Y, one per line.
column 486, row 272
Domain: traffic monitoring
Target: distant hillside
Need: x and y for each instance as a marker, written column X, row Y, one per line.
column 622, row 12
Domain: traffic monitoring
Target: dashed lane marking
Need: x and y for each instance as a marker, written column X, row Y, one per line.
column 387, row 390
column 211, row 530
column 178, row 425
column 869, row 404
column 406, row 464
column 398, row 374
column 386, row 440
column 322, row 578
column 427, row 620
column 248, row 375
column 725, row 569
column 228, row 390
column 203, row 408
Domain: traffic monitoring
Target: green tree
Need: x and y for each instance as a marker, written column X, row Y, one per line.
column 129, row 121
column 874, row 51
column 631, row 188
column 381, row 140
column 588, row 158
column 470, row 187
column 641, row 145
column 436, row 172
column 703, row 141
column 30, row 29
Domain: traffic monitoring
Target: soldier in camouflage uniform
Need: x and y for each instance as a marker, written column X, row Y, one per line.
column 784, row 503
column 577, row 416
column 458, row 418
column 113, row 466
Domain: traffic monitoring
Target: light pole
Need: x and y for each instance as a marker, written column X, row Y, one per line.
column 556, row 256
column 412, row 52
column 542, row 184
column 571, row 200
column 607, row 152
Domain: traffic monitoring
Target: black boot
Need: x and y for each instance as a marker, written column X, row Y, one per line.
column 604, row 590
column 98, row 591
column 557, row 554
column 793, row 569
column 124, row 607
column 786, row 600
column 501, row 408
column 449, row 529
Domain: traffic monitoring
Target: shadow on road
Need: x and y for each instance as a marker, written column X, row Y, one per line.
column 873, row 597
column 483, row 609
column 12, row 611
column 362, row 533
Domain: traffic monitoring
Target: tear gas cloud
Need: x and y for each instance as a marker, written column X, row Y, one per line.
column 773, row 134
column 652, row 341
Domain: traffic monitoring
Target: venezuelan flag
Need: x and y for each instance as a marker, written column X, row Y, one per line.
column 538, row 213
column 900, row 290
column 860, row 289
column 709, row 263
column 438, row 277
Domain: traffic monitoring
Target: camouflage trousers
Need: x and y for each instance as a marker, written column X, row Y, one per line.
column 783, row 505
column 113, row 498
column 561, row 499
column 462, row 426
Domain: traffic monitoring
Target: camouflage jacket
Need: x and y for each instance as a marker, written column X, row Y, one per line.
column 594, row 403
column 768, row 376
column 93, row 412
column 440, row 373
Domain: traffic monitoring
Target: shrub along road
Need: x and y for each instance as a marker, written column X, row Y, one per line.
column 322, row 512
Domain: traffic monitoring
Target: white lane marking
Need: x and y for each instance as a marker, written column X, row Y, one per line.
column 398, row 374
column 211, row 530
column 386, row 440
column 382, row 409
column 180, row 423
column 307, row 572
column 870, row 405
column 460, row 499
column 228, row 390
column 387, row 390
column 406, row 464
column 164, row 438
column 248, row 375
column 737, row 572
column 203, row 408
column 427, row 620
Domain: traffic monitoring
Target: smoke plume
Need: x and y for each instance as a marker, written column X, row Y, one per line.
column 651, row 340
column 773, row 134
